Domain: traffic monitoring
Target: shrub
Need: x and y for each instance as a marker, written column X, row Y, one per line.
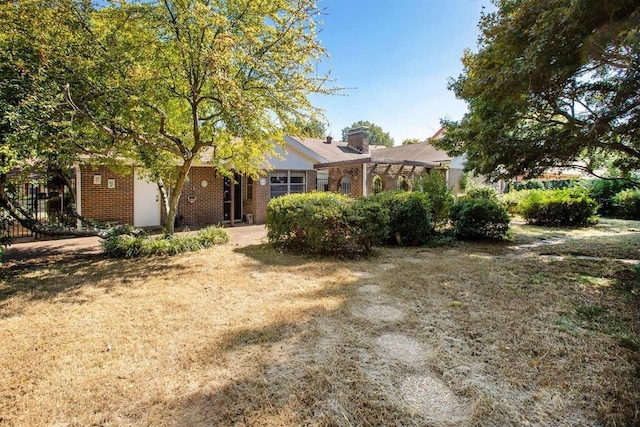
column 571, row 206
column 512, row 199
column 481, row 192
column 434, row 185
column 604, row 191
column 477, row 219
column 325, row 223
column 129, row 246
column 627, row 204
column 410, row 220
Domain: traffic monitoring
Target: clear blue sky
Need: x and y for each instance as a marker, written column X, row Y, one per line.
column 397, row 56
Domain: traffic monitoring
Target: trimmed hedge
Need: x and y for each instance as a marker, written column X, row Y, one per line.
column 478, row 219
column 410, row 216
column 627, row 204
column 128, row 246
column 571, row 206
column 325, row 223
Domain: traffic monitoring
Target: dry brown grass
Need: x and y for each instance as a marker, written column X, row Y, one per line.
column 475, row 334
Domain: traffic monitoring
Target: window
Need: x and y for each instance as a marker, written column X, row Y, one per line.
column 345, row 186
column 287, row 182
column 249, row 194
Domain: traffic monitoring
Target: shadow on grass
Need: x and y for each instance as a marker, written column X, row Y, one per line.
column 61, row 277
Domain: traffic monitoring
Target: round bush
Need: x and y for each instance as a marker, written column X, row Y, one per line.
column 410, row 216
column 627, row 204
column 571, row 206
column 477, row 219
column 326, row 223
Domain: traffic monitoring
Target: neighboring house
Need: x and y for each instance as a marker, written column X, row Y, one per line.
column 302, row 165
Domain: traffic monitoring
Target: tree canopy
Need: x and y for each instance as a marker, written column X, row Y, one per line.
column 160, row 83
column 553, row 83
column 376, row 135
column 411, row 141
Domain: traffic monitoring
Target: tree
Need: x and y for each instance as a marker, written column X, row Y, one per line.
column 376, row 135
column 165, row 81
column 309, row 128
column 411, row 141
column 38, row 137
column 554, row 83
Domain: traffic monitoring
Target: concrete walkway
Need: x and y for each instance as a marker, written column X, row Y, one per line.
column 243, row 235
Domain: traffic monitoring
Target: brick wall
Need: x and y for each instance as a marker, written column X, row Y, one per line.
column 261, row 197
column 354, row 172
column 114, row 205
column 200, row 205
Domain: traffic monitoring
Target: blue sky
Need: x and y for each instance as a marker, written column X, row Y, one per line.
column 397, row 55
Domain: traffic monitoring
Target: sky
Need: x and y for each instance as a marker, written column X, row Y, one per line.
column 396, row 56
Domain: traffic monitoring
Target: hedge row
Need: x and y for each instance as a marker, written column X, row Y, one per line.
column 571, row 206
column 329, row 223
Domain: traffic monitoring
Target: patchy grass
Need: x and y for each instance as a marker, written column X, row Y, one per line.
column 522, row 332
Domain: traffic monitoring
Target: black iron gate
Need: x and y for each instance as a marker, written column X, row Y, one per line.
column 47, row 205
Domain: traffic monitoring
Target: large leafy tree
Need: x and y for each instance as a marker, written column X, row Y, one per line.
column 163, row 83
column 376, row 135
column 553, row 83
column 218, row 76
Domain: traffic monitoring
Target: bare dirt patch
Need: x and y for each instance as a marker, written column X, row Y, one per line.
column 245, row 335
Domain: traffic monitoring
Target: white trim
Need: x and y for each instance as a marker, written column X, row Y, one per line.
column 305, row 150
column 76, row 166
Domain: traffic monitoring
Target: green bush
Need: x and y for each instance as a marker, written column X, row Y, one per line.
column 410, row 216
column 481, row 192
column 325, row 223
column 129, row 246
column 571, row 206
column 512, row 200
column 627, row 204
column 434, row 185
column 604, row 191
column 477, row 219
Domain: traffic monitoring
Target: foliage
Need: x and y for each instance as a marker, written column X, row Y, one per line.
column 434, row 185
column 377, row 185
column 553, row 83
column 411, row 141
column 604, row 192
column 129, row 246
column 481, row 192
column 479, row 218
column 567, row 207
column 376, row 135
column 325, row 223
column 158, row 83
column 308, row 128
column 627, row 204
column 410, row 220
column 511, row 200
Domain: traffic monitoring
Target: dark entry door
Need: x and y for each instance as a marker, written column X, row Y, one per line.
column 237, row 198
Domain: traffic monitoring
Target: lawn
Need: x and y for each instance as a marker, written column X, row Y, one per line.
column 540, row 330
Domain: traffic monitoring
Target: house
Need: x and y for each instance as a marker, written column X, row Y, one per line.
column 352, row 167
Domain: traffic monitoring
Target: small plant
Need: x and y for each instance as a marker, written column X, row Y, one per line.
column 477, row 219
column 129, row 246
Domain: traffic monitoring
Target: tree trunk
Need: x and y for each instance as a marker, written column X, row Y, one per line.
column 174, row 197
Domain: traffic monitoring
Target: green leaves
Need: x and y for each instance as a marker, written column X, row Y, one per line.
column 553, row 83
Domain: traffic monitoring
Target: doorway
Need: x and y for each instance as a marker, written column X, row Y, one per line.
column 237, row 198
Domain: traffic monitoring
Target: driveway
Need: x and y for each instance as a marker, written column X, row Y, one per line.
column 25, row 250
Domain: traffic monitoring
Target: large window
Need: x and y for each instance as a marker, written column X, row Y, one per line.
column 287, row 182
column 345, row 186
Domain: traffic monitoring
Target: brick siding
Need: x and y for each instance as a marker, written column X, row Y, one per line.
column 100, row 203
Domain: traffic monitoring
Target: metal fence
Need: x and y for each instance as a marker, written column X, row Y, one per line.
column 47, row 205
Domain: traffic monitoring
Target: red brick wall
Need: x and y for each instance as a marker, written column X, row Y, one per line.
column 355, row 172
column 261, row 197
column 98, row 202
column 200, row 205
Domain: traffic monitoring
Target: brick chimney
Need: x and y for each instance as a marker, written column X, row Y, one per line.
column 357, row 139
column 329, row 139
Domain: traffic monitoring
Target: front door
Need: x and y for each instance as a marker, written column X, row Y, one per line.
column 146, row 202
column 237, row 198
